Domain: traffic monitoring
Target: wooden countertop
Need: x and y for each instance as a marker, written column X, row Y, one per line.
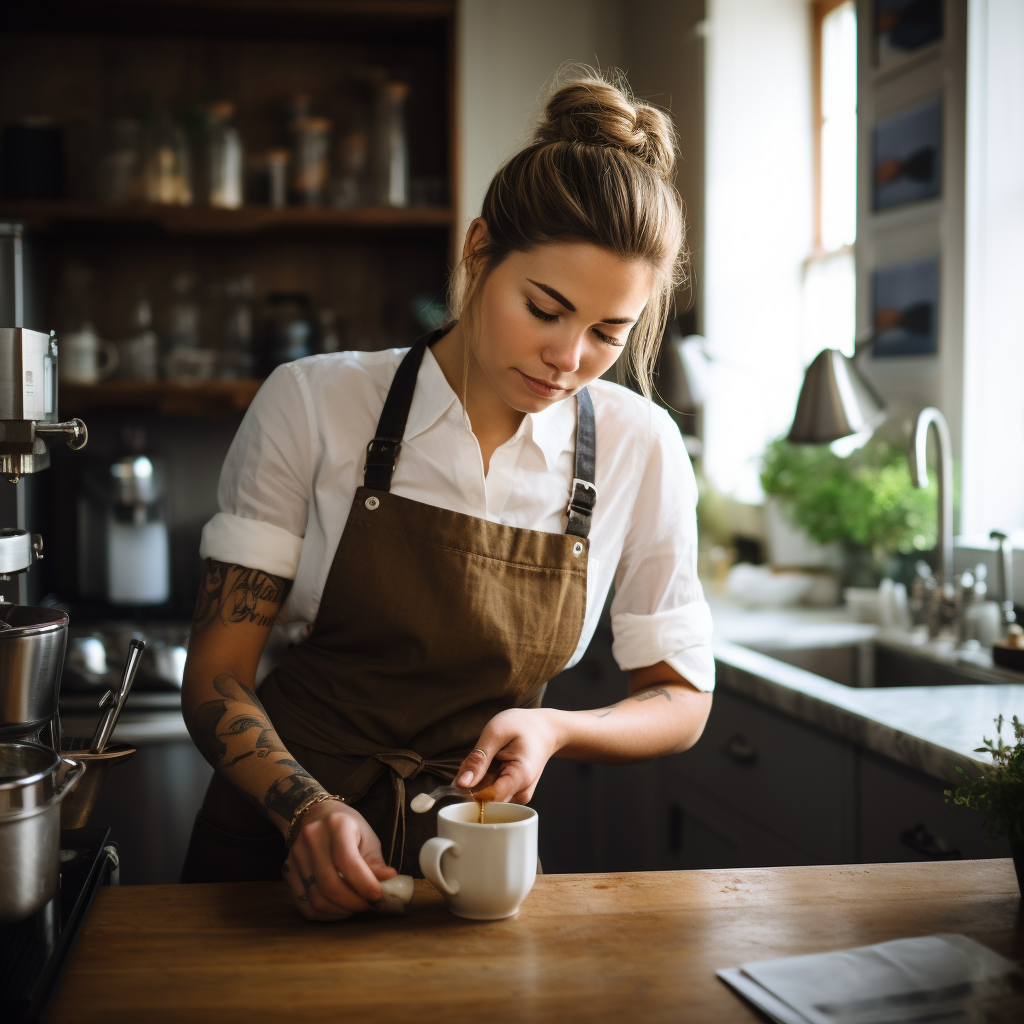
column 615, row 947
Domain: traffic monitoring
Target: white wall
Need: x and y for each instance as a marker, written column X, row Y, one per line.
column 759, row 228
column 993, row 431
column 509, row 51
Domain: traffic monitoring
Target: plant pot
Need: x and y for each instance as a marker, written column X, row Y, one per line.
column 1017, row 852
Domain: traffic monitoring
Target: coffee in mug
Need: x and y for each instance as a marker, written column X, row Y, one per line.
column 484, row 871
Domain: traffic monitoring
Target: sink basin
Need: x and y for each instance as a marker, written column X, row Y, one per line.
column 880, row 662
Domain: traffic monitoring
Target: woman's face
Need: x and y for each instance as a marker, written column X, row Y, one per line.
column 549, row 321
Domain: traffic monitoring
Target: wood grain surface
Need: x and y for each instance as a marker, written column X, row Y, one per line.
column 622, row 947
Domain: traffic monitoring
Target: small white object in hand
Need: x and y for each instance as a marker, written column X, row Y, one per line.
column 397, row 893
column 422, row 802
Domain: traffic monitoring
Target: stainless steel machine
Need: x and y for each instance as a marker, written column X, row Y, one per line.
column 32, row 640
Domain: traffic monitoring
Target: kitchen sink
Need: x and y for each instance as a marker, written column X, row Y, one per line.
column 881, row 662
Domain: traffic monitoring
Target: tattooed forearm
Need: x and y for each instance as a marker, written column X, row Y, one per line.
column 236, row 594
column 218, row 723
column 658, row 691
column 210, row 731
column 285, row 796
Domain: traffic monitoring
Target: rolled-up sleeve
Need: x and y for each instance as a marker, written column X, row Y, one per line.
column 659, row 612
column 264, row 488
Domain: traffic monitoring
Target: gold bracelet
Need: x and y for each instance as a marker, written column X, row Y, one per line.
column 297, row 817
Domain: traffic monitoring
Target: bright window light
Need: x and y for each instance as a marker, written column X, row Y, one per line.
column 839, row 127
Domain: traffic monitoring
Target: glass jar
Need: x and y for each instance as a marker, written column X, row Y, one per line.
column 288, row 328
column 219, row 182
column 166, row 175
column 310, row 138
column 389, row 164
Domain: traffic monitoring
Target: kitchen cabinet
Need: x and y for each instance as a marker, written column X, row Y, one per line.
column 759, row 789
column 903, row 816
column 787, row 779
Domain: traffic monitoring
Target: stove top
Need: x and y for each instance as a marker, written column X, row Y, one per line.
column 34, row 951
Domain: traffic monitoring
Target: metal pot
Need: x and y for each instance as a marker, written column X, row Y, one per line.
column 31, row 660
column 33, row 781
column 75, row 811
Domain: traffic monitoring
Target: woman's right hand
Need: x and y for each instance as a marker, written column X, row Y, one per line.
column 336, row 864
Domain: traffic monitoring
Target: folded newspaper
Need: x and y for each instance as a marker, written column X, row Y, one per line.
column 947, row 978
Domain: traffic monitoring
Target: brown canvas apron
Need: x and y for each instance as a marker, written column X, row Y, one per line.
column 431, row 622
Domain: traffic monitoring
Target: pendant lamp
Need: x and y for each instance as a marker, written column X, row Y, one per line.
column 835, row 401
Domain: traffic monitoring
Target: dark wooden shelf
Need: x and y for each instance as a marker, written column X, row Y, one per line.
column 161, row 397
column 201, row 220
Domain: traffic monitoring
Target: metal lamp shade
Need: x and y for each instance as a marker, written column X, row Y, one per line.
column 835, row 401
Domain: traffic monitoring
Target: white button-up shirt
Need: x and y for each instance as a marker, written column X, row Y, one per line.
column 292, row 471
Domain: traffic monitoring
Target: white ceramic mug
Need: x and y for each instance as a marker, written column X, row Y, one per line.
column 483, row 871
column 85, row 358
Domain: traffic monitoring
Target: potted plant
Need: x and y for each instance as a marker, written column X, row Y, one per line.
column 998, row 792
column 865, row 501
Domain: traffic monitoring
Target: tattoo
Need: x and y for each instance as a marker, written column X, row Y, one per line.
column 210, row 738
column 658, row 691
column 236, row 594
column 286, row 795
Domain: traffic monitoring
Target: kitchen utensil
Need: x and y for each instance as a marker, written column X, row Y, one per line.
column 484, row 871
column 115, row 702
column 31, row 659
column 33, row 781
column 422, row 802
column 78, row 805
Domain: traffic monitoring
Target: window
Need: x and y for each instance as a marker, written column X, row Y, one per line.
column 829, row 275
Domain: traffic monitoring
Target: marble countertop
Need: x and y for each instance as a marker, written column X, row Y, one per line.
column 931, row 728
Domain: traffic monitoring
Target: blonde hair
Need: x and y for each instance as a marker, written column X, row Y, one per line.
column 600, row 169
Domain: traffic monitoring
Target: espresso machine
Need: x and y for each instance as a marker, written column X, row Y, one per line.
column 32, row 640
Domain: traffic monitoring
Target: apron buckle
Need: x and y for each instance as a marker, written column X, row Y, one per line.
column 382, row 454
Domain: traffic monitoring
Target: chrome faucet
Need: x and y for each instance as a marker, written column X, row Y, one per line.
column 1007, row 616
column 943, row 610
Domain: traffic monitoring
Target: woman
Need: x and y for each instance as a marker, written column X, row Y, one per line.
column 450, row 519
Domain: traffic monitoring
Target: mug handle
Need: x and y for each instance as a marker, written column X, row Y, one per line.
column 111, row 359
column 430, row 863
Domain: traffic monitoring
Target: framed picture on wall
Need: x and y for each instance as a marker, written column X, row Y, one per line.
column 903, row 26
column 907, row 156
column 905, row 309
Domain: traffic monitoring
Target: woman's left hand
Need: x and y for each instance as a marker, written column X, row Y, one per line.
column 515, row 745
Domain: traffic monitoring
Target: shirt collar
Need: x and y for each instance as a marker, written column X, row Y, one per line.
column 432, row 398
column 551, row 430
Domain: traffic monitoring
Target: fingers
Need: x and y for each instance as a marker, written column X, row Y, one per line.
column 349, row 853
column 301, row 880
column 476, row 763
column 325, row 836
column 512, row 781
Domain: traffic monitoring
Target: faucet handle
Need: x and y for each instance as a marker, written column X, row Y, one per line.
column 1009, row 616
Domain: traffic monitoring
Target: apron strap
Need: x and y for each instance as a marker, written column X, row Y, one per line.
column 584, row 492
column 382, row 452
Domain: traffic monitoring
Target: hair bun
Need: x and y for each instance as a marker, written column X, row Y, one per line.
column 593, row 112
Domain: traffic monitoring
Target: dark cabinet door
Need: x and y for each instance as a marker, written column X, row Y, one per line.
column 903, row 816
